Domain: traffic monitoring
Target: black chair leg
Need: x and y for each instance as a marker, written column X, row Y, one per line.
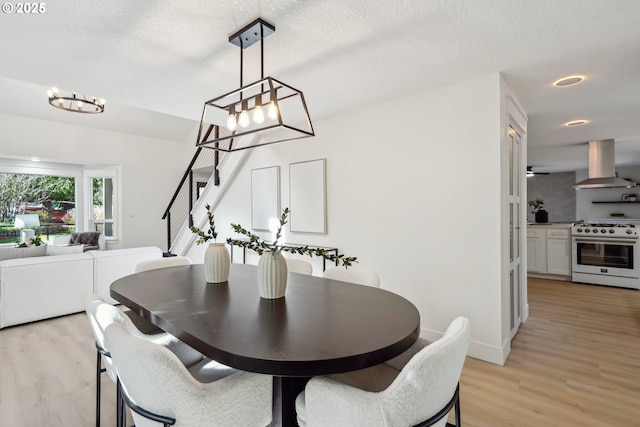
column 99, row 370
column 98, row 386
column 119, row 408
column 457, row 410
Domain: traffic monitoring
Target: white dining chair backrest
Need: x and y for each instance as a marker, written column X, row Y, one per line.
column 153, row 264
column 104, row 314
column 404, row 391
column 429, row 379
column 353, row 275
column 299, row 266
column 101, row 315
column 157, row 381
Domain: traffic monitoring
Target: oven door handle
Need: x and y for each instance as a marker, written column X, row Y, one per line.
column 618, row 241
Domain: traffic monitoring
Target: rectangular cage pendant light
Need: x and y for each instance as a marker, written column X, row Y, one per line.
column 264, row 112
column 274, row 111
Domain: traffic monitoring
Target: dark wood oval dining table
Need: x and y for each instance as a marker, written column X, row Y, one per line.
column 319, row 327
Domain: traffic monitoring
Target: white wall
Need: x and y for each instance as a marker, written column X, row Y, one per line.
column 414, row 191
column 150, row 167
column 585, row 209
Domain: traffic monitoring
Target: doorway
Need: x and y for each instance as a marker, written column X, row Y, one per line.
column 515, row 230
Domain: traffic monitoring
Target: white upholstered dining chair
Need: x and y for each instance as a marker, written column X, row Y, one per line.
column 153, row 264
column 158, row 388
column 101, row 315
column 299, row 266
column 417, row 388
column 353, row 275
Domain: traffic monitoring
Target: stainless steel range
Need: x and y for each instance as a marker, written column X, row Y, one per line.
column 606, row 252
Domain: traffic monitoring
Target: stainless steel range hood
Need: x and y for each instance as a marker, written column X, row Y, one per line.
column 602, row 168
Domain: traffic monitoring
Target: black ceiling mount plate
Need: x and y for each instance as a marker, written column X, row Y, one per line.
column 252, row 33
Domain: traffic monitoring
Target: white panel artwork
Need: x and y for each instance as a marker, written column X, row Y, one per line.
column 265, row 196
column 307, row 197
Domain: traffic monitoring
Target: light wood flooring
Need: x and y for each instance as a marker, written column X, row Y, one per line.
column 575, row 362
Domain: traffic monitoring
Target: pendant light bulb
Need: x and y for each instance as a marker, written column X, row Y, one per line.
column 231, row 121
column 273, row 108
column 273, row 111
column 243, row 120
column 258, row 114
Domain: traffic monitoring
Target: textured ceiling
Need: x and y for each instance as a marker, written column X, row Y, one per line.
column 169, row 57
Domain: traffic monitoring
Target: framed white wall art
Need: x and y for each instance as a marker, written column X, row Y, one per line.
column 308, row 196
column 265, row 196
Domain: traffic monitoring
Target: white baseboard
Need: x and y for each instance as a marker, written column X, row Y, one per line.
column 477, row 350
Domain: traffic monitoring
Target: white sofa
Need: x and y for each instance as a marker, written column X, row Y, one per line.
column 109, row 266
column 42, row 287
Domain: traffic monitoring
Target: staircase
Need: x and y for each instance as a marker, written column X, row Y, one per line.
column 205, row 181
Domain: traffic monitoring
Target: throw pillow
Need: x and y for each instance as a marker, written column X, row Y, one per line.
column 90, row 238
column 64, row 250
column 29, row 251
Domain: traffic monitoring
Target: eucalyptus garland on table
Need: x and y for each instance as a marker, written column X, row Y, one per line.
column 258, row 245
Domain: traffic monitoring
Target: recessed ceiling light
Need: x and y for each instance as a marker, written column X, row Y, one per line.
column 576, row 123
column 569, row 81
column 35, row 159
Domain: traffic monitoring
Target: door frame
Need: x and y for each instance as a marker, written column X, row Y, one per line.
column 517, row 229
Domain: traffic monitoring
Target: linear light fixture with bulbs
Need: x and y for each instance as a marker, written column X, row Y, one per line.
column 74, row 103
column 227, row 120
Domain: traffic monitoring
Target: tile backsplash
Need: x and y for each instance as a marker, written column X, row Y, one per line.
column 558, row 194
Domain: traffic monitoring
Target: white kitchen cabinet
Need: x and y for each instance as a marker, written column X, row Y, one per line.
column 536, row 251
column 549, row 251
column 559, row 252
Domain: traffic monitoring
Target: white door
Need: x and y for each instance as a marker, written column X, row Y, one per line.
column 515, row 230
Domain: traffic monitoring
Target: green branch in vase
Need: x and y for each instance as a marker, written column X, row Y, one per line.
column 211, row 232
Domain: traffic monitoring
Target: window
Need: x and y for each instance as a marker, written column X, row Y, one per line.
column 102, row 206
column 102, row 202
column 88, row 200
column 48, row 196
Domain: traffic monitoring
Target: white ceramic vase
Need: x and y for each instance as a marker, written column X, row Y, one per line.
column 272, row 275
column 216, row 263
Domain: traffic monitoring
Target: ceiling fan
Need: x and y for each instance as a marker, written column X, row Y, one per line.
column 530, row 172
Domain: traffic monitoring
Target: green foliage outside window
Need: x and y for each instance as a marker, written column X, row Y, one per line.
column 18, row 190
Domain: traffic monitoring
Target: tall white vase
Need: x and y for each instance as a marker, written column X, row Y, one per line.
column 216, row 263
column 272, row 275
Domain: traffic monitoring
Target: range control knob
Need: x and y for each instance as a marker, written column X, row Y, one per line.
column 629, row 231
column 611, row 231
column 579, row 230
column 603, row 231
column 586, row 230
column 595, row 230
